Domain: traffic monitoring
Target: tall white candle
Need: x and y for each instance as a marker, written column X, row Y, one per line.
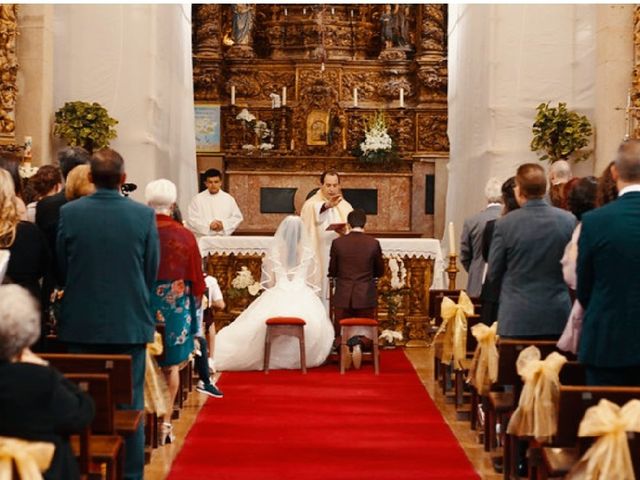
column 233, row 94
column 284, row 96
column 322, row 67
column 285, row 12
column 333, row 11
column 355, row 96
column 304, row 11
column 402, row 97
column 452, row 239
column 351, row 13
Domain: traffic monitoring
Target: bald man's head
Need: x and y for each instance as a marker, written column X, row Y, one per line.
column 107, row 169
column 628, row 161
column 531, row 181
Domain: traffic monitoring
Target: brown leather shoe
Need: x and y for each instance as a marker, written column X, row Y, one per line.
column 346, row 359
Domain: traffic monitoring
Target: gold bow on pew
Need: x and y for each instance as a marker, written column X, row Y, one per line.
column 454, row 325
column 484, row 365
column 609, row 456
column 537, row 412
column 30, row 458
column 156, row 392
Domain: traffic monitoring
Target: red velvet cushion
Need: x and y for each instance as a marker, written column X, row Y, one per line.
column 286, row 321
column 358, row 322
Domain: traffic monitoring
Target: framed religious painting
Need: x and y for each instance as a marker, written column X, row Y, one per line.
column 318, row 127
column 207, row 116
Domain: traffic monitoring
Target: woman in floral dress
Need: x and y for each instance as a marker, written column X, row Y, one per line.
column 178, row 289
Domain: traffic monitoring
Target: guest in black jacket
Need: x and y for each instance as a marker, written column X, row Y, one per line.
column 30, row 258
column 36, row 401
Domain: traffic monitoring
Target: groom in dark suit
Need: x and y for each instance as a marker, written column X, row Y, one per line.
column 609, row 279
column 108, row 251
column 355, row 262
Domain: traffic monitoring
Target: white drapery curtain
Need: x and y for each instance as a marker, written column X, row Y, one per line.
column 135, row 60
column 504, row 60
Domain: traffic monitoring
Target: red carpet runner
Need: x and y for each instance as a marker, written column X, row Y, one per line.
column 323, row 426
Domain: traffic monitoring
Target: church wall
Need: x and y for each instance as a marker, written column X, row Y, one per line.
column 503, row 61
column 136, row 61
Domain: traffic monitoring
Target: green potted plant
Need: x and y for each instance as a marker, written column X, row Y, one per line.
column 560, row 134
column 84, row 124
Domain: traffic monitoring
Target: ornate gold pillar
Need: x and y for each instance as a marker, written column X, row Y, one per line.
column 8, row 72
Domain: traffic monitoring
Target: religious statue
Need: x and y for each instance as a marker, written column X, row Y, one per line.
column 243, row 16
column 386, row 23
column 394, row 32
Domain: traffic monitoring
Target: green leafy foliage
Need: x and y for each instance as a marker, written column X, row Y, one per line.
column 84, row 124
column 559, row 133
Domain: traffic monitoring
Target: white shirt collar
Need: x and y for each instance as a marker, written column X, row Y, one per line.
column 629, row 189
column 357, row 229
column 494, row 204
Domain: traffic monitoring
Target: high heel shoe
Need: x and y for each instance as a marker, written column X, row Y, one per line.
column 166, row 434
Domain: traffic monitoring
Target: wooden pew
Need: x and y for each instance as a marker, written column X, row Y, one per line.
column 567, row 448
column 118, row 367
column 100, row 445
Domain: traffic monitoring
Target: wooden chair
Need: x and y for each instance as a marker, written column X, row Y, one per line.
column 567, row 447
column 101, row 445
column 278, row 326
column 348, row 327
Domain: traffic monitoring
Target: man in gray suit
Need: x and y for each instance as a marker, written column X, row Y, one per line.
column 471, row 238
column 525, row 261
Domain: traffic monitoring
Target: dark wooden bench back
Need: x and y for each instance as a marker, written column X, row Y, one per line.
column 573, row 373
column 574, row 402
column 118, row 367
column 508, row 351
column 98, row 385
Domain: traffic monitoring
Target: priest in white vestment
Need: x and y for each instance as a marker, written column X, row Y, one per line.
column 213, row 211
column 326, row 207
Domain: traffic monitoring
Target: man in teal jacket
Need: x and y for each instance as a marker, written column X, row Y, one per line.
column 609, row 279
column 108, row 253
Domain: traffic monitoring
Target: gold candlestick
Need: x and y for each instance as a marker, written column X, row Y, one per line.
column 452, row 271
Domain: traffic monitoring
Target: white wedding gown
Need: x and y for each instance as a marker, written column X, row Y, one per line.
column 240, row 345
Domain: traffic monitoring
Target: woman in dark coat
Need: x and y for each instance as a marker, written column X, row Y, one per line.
column 36, row 402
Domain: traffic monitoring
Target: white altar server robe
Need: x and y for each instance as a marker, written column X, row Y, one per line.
column 206, row 207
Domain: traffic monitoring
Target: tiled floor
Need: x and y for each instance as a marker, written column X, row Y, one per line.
column 422, row 359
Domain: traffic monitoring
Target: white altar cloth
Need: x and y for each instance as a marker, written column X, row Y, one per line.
column 259, row 245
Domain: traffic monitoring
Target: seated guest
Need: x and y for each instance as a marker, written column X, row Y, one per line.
column 608, row 265
column 524, row 262
column 213, row 211
column 30, row 257
column 46, row 182
column 178, row 289
column 36, row 402
column 471, row 238
column 79, row 183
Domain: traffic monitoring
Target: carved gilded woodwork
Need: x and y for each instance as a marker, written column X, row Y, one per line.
column 207, row 40
column 411, row 317
column 433, row 31
column 8, row 71
column 634, row 115
column 432, row 132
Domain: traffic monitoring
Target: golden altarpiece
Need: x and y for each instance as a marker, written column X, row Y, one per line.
column 316, row 74
column 8, row 79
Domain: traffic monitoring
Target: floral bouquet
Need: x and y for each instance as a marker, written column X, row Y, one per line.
column 378, row 146
column 393, row 298
column 263, row 133
column 243, row 284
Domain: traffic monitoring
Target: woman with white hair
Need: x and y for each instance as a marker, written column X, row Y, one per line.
column 178, row 290
column 36, row 401
column 287, row 275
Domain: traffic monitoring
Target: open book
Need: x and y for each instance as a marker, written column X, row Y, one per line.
column 335, row 226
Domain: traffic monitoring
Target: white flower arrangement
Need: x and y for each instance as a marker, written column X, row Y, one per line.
column 377, row 146
column 244, row 279
column 245, row 116
column 398, row 272
column 27, row 171
column 390, row 336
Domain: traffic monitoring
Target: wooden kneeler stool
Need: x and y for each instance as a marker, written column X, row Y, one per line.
column 292, row 326
column 346, row 325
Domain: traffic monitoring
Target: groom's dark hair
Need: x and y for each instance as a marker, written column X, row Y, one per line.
column 357, row 218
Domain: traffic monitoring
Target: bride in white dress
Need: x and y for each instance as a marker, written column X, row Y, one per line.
column 286, row 273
